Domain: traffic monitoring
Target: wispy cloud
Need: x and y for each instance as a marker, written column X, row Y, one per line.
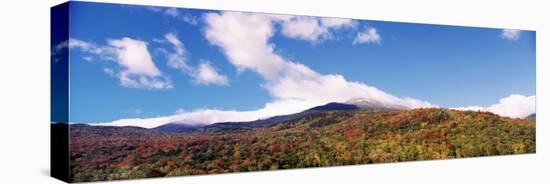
column 172, row 12
column 109, row 71
column 176, row 13
column 204, row 74
column 178, row 58
column 134, row 112
column 370, row 35
column 104, row 53
column 510, row 34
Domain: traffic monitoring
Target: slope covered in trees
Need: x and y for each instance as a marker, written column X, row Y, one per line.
column 318, row 139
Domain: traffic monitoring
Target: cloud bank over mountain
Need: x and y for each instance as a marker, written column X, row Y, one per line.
column 244, row 39
column 514, row 106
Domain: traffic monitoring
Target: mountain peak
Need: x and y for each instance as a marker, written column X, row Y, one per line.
column 334, row 106
column 176, row 127
column 365, row 103
column 358, row 100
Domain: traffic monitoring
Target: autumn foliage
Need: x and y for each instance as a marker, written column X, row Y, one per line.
column 320, row 139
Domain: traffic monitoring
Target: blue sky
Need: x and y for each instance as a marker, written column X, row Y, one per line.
column 445, row 66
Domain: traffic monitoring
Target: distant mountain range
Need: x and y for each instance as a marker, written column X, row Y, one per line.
column 532, row 117
column 177, row 128
column 350, row 105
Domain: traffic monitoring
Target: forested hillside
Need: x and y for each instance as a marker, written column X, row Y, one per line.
column 319, row 139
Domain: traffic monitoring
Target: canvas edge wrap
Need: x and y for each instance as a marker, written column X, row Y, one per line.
column 59, row 93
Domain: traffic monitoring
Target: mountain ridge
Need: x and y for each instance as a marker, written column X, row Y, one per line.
column 354, row 104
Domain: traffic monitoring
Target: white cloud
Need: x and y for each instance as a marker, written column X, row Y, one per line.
column 244, row 40
column 132, row 55
column 139, row 122
column 209, row 116
column 137, row 69
column 172, row 12
column 109, row 71
column 510, row 34
column 59, row 47
column 514, row 106
column 207, row 74
column 517, row 106
column 87, row 58
column 143, row 82
column 87, row 47
column 204, row 73
column 370, row 35
column 335, row 23
column 178, row 59
column 176, row 13
column 190, row 19
column 312, row 29
column 154, row 9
